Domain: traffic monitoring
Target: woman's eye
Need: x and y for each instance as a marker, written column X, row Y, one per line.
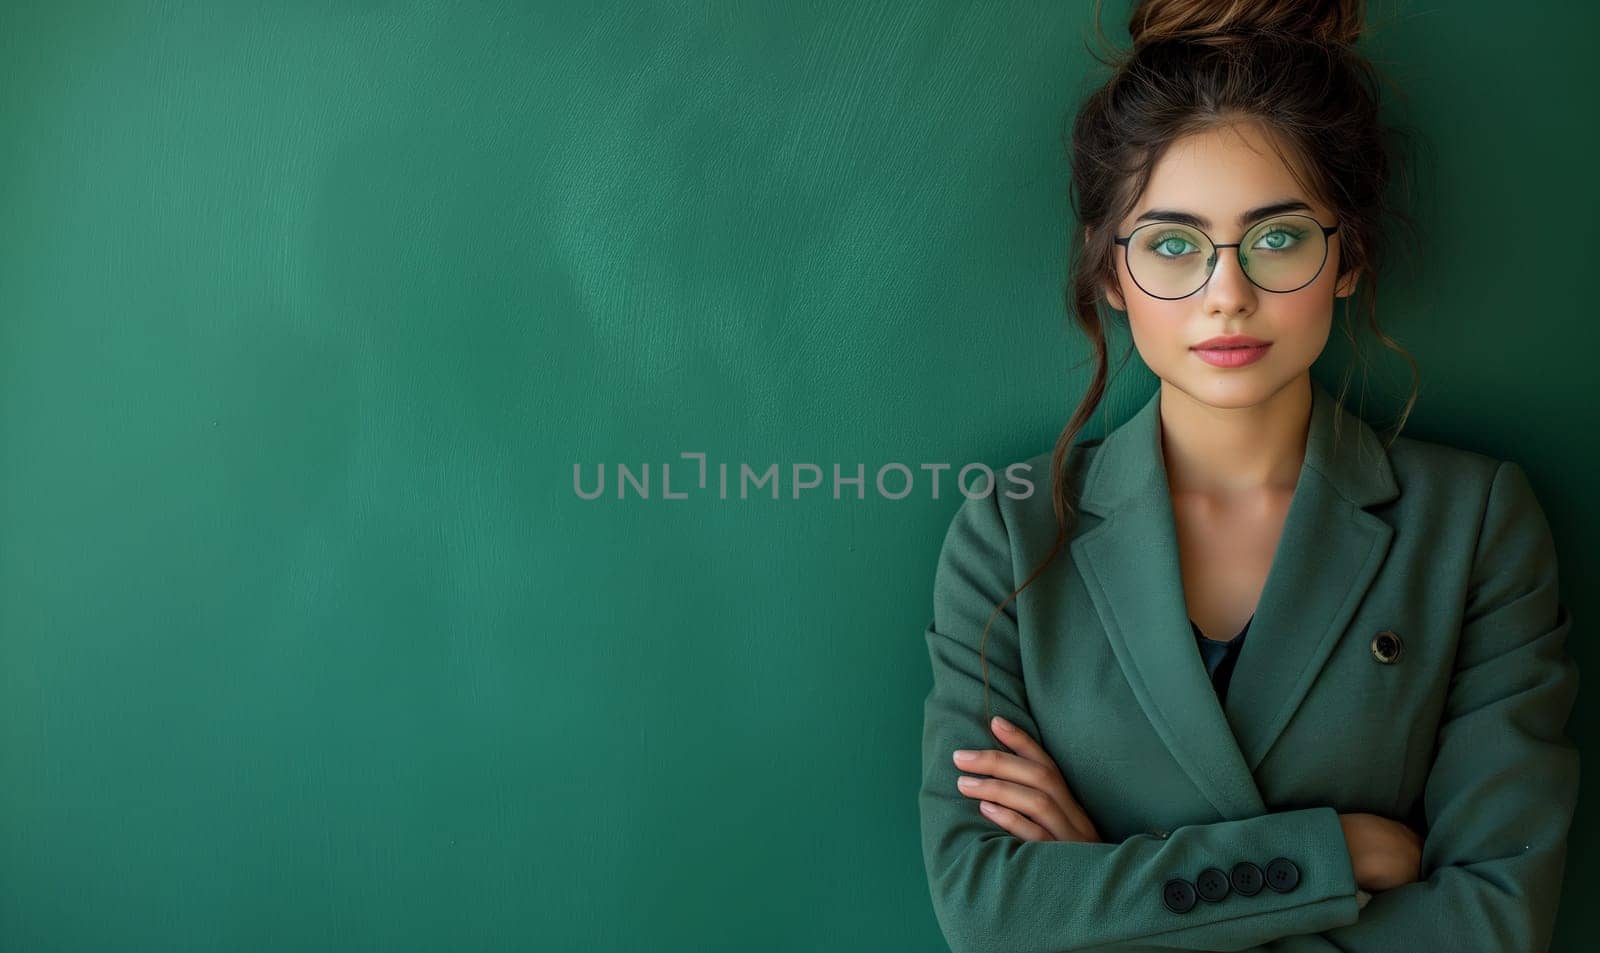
column 1171, row 246
column 1278, row 240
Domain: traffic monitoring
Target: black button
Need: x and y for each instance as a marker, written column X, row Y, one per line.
column 1247, row 878
column 1178, row 895
column 1387, row 647
column 1212, row 884
column 1282, row 875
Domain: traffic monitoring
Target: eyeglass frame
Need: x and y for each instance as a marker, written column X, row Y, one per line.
column 1327, row 232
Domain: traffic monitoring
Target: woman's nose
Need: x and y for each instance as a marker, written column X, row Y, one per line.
column 1228, row 280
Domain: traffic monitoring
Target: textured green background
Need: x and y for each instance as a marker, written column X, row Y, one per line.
column 308, row 309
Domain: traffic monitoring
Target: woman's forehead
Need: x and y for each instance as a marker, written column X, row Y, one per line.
column 1221, row 175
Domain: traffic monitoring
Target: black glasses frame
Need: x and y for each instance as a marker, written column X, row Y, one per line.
column 1327, row 232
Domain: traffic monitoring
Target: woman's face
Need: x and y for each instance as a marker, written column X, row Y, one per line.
column 1217, row 176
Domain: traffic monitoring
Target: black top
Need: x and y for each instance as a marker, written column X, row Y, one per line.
column 1220, row 657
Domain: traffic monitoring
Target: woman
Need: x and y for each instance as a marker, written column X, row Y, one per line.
column 1261, row 678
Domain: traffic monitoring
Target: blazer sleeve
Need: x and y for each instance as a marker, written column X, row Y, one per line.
column 994, row 892
column 1500, row 796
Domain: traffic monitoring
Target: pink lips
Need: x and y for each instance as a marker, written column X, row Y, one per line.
column 1223, row 352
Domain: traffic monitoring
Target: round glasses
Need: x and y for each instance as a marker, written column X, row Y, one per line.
column 1170, row 261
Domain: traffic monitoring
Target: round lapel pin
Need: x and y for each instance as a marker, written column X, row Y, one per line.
column 1387, row 647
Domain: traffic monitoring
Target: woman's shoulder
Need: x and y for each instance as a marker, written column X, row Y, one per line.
column 1021, row 503
column 1421, row 458
column 1432, row 474
column 1445, row 484
column 1439, row 483
column 1018, row 490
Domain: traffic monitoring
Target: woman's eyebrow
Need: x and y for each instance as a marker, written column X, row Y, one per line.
column 1189, row 218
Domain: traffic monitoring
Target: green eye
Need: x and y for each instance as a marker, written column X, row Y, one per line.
column 1170, row 245
column 1280, row 239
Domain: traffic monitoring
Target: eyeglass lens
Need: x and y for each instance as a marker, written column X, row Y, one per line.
column 1280, row 254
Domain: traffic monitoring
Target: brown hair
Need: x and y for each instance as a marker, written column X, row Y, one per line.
column 1196, row 65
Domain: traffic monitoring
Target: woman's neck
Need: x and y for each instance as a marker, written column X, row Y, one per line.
column 1223, row 452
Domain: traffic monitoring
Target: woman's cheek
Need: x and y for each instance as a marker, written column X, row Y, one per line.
column 1159, row 339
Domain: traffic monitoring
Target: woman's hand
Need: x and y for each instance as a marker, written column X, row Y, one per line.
column 1025, row 792
column 1384, row 854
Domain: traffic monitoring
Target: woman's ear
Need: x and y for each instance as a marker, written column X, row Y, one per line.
column 1347, row 285
column 1114, row 298
column 1113, row 295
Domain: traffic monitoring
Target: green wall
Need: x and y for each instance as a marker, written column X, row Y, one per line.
column 307, row 311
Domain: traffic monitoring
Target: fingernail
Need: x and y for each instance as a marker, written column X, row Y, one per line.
column 1001, row 723
column 965, row 756
column 965, row 783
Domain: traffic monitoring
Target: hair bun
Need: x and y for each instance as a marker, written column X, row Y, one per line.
column 1332, row 22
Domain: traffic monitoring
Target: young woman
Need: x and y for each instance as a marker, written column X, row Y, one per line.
column 1262, row 679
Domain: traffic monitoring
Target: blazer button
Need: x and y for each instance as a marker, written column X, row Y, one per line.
column 1386, row 647
column 1212, row 884
column 1178, row 895
column 1282, row 875
column 1158, row 832
column 1247, row 878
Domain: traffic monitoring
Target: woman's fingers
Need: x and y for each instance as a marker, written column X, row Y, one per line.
column 1016, row 823
column 1033, row 766
column 1036, row 806
column 1019, row 741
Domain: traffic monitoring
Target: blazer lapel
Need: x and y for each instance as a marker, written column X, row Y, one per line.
column 1328, row 555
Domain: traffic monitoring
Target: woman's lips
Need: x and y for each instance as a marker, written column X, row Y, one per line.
column 1231, row 356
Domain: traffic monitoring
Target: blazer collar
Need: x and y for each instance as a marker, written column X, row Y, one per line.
column 1326, row 559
